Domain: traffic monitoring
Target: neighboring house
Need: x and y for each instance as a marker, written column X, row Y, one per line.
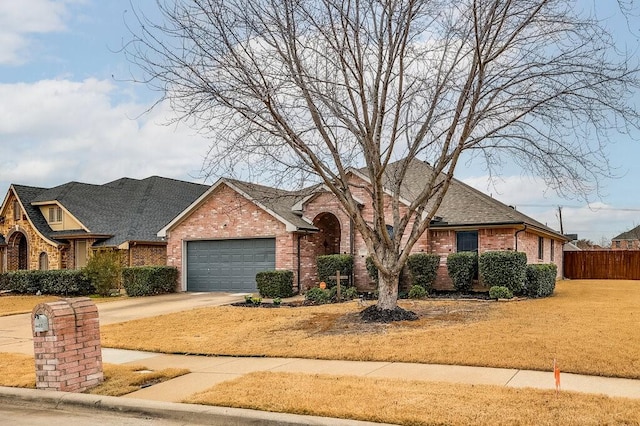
column 57, row 228
column 629, row 240
column 570, row 246
column 236, row 229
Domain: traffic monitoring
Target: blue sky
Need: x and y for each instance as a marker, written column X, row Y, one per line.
column 67, row 112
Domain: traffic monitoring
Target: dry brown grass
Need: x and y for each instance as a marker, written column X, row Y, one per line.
column 591, row 327
column 14, row 304
column 416, row 403
column 17, row 370
column 123, row 379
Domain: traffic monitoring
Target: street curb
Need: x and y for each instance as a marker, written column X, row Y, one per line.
column 189, row 413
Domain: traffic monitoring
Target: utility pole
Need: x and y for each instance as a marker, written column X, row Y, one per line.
column 560, row 217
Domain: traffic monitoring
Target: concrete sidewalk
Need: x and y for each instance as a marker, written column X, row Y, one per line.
column 208, row 371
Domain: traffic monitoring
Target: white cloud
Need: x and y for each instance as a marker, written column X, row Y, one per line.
column 20, row 20
column 55, row 131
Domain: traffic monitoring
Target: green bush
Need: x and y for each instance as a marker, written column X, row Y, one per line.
column 275, row 283
column 500, row 292
column 329, row 264
column 63, row 282
column 318, row 295
column 541, row 280
column 423, row 268
column 346, row 293
column 149, row 280
column 417, row 292
column 504, row 269
column 462, row 268
column 104, row 269
column 371, row 269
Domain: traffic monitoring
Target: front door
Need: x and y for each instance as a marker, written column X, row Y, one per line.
column 81, row 254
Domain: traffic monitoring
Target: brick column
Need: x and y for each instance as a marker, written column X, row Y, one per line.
column 68, row 355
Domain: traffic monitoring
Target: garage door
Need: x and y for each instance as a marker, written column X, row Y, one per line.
column 228, row 265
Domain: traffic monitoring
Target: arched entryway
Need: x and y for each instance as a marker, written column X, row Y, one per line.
column 328, row 238
column 17, row 252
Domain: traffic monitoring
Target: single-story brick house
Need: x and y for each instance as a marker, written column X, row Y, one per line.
column 56, row 228
column 235, row 229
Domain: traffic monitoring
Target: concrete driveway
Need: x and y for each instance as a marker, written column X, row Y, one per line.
column 16, row 335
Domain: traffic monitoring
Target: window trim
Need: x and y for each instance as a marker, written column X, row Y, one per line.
column 540, row 248
column 55, row 214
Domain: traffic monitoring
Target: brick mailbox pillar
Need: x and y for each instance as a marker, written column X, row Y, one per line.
column 66, row 343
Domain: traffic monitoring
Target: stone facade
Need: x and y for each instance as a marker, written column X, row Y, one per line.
column 25, row 246
column 27, row 249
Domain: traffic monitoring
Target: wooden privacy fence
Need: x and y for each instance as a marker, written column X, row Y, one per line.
column 602, row 264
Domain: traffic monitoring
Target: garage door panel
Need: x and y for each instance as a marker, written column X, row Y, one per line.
column 228, row 265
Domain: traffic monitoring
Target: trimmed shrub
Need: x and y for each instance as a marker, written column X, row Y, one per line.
column 500, row 292
column 371, row 269
column 423, row 268
column 149, row 280
column 346, row 293
column 275, row 283
column 329, row 264
column 318, row 295
column 418, row 292
column 63, row 282
column 541, row 280
column 462, row 268
column 504, row 269
column 104, row 269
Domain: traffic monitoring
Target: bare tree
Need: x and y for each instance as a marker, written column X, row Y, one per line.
column 303, row 88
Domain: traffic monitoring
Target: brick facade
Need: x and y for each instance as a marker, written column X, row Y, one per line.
column 226, row 214
column 68, row 356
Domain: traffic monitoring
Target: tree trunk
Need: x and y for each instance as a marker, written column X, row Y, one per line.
column 388, row 291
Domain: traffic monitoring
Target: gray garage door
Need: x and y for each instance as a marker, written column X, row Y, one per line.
column 228, row 265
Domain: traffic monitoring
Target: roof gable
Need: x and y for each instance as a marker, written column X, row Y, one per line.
column 276, row 202
column 119, row 211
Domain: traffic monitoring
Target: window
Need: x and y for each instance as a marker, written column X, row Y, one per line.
column 540, row 248
column 55, row 214
column 629, row 244
column 390, row 231
column 17, row 213
column 467, row 241
column 552, row 250
column 617, row 244
column 43, row 262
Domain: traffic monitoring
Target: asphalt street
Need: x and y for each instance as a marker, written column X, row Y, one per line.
column 31, row 415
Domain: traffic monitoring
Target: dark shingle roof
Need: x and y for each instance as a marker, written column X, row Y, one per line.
column 127, row 209
column 27, row 194
column 632, row 234
column 278, row 201
column 462, row 205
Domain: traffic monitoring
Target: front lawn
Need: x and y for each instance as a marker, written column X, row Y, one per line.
column 591, row 327
column 19, row 304
column 416, row 403
column 18, row 370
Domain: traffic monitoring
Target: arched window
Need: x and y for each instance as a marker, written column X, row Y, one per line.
column 44, row 262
